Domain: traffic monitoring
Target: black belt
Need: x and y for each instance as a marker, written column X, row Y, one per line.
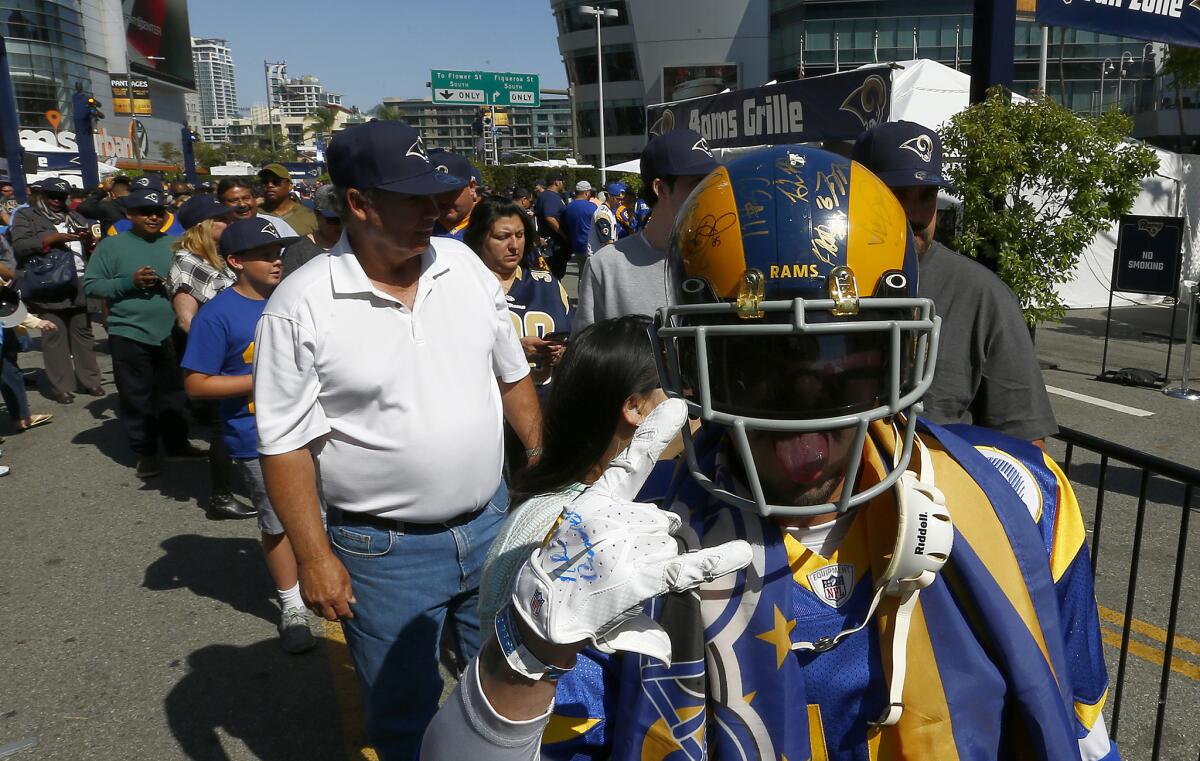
column 338, row 516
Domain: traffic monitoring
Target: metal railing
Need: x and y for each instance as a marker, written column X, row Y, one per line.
column 1149, row 466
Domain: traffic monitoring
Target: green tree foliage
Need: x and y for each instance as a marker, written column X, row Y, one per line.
column 1183, row 64
column 255, row 153
column 208, row 154
column 386, row 113
column 1038, row 182
column 1183, row 68
column 170, row 152
column 501, row 178
column 320, row 122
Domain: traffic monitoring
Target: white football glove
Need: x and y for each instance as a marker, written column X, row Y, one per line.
column 608, row 555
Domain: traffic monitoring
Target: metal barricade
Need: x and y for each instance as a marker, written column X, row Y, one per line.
column 1150, row 466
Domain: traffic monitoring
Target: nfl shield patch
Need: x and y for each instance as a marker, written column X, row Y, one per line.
column 833, row 583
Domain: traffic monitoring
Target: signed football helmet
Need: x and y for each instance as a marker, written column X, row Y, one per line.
column 796, row 316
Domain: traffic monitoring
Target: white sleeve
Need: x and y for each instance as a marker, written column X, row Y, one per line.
column 287, row 407
column 467, row 726
column 1096, row 746
column 508, row 358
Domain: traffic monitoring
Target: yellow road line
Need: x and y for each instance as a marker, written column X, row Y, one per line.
column 1183, row 643
column 1152, row 654
column 348, row 695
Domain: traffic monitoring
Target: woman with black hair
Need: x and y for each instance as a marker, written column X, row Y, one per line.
column 605, row 387
column 502, row 234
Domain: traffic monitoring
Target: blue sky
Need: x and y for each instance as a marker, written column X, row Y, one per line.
column 366, row 49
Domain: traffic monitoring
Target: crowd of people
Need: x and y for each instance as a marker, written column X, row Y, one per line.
column 447, row 454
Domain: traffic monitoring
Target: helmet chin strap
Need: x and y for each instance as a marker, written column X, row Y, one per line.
column 924, row 537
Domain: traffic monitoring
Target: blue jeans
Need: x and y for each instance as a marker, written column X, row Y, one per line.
column 12, row 385
column 406, row 581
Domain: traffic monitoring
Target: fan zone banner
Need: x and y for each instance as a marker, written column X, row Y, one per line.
column 1173, row 21
column 831, row 107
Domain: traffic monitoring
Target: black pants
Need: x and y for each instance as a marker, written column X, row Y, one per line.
column 557, row 256
column 150, row 389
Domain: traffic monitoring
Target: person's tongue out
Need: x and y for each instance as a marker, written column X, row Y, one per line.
column 802, row 455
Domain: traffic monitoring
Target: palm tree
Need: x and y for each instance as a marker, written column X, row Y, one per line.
column 386, row 112
column 321, row 121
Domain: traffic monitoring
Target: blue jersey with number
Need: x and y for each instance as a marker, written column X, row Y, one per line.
column 221, row 342
column 539, row 306
column 1004, row 660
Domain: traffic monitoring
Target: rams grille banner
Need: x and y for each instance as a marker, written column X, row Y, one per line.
column 1173, row 21
column 831, row 107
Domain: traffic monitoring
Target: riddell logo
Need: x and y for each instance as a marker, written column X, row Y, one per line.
column 922, row 532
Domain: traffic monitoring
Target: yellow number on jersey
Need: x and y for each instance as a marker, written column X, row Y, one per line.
column 248, row 358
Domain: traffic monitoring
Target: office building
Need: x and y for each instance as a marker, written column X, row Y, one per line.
column 525, row 134
column 56, row 46
column 216, row 88
column 296, row 96
column 303, row 95
column 1092, row 70
column 655, row 51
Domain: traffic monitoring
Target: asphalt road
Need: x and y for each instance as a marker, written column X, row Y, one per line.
column 133, row 627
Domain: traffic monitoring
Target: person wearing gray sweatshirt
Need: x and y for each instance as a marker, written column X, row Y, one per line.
column 631, row 276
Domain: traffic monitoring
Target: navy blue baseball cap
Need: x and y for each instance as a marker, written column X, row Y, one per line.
column 455, row 164
column 385, row 155
column 53, row 185
column 245, row 234
column 200, row 208
column 902, row 154
column 678, row 153
column 142, row 198
column 151, row 181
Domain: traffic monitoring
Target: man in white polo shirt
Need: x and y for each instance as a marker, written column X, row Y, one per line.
column 384, row 372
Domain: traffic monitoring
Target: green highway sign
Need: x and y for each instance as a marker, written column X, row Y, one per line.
column 485, row 88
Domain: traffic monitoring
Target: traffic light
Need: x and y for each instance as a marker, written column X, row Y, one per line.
column 93, row 110
column 85, row 115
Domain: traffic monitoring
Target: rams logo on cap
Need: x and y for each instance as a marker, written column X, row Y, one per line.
column 702, row 146
column 922, row 145
column 269, row 229
column 417, row 149
column 152, row 197
column 142, row 182
column 442, row 168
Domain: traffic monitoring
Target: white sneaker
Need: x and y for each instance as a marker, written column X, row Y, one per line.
column 295, row 634
column 4, row 470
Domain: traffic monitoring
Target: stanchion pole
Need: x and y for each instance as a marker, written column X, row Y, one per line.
column 1184, row 390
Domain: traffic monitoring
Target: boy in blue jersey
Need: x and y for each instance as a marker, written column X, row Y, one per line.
column 833, row 579
column 219, row 361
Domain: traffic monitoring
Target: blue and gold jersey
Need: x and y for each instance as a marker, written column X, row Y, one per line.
column 627, row 223
column 1003, row 656
column 539, row 306
column 1044, row 490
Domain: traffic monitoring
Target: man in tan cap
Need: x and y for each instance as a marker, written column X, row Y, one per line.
column 278, row 201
